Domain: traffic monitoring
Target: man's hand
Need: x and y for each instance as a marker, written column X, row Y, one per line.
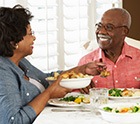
column 86, row 90
column 93, row 68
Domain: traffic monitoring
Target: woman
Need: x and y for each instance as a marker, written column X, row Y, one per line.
column 24, row 92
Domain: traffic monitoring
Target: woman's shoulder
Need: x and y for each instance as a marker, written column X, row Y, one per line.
column 4, row 62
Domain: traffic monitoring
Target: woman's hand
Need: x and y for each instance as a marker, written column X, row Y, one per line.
column 56, row 91
column 92, row 68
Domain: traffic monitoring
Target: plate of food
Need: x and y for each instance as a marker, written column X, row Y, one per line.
column 124, row 93
column 121, row 112
column 70, row 100
column 72, row 80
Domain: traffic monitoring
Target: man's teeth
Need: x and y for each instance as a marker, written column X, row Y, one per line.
column 103, row 39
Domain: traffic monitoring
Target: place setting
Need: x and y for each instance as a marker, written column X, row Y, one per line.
column 123, row 106
column 73, row 99
column 115, row 105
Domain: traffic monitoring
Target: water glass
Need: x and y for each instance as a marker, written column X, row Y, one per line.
column 98, row 96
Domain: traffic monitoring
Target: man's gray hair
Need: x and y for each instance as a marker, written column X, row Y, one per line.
column 125, row 15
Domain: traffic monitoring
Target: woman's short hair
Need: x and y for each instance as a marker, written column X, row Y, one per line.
column 13, row 24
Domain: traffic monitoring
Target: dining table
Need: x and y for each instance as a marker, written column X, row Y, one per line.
column 53, row 114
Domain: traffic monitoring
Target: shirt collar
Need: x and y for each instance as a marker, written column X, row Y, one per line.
column 97, row 54
column 126, row 52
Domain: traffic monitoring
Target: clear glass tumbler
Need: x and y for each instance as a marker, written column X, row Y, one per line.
column 98, row 96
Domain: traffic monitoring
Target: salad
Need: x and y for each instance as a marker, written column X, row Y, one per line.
column 77, row 99
column 115, row 92
column 124, row 92
column 131, row 109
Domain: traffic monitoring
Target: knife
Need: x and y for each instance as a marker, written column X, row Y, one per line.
column 70, row 110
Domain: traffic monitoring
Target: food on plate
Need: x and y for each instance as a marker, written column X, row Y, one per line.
column 124, row 92
column 105, row 73
column 72, row 74
column 77, row 99
column 86, row 100
column 115, row 92
column 121, row 113
column 54, row 75
column 130, row 109
column 67, row 75
column 127, row 92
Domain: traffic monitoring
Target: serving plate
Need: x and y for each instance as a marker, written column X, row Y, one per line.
column 136, row 95
column 120, row 118
column 57, row 102
column 124, row 98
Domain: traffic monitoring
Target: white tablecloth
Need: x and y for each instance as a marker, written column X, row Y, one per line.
column 48, row 116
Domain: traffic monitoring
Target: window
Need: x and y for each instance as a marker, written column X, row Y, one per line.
column 62, row 25
column 64, row 30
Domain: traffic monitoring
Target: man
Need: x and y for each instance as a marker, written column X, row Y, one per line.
column 121, row 59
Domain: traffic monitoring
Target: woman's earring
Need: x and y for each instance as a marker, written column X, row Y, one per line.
column 16, row 46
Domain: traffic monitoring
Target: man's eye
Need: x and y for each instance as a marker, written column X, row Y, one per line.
column 109, row 27
column 100, row 26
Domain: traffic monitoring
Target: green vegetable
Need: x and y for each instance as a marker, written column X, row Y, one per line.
column 135, row 109
column 115, row 92
column 107, row 109
column 68, row 99
column 117, row 111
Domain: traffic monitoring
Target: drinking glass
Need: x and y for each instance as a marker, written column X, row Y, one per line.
column 98, row 96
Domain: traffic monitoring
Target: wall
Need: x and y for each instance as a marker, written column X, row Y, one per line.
column 133, row 6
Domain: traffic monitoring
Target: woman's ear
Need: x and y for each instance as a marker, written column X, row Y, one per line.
column 15, row 46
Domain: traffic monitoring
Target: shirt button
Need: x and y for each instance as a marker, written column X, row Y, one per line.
column 95, row 81
column 135, row 77
column 115, row 66
column 27, row 94
column 12, row 118
column 116, row 81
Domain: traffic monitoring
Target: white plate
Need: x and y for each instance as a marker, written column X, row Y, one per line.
column 123, row 98
column 57, row 102
column 126, row 97
column 120, row 118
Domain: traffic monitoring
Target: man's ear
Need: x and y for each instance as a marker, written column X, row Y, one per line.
column 126, row 31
